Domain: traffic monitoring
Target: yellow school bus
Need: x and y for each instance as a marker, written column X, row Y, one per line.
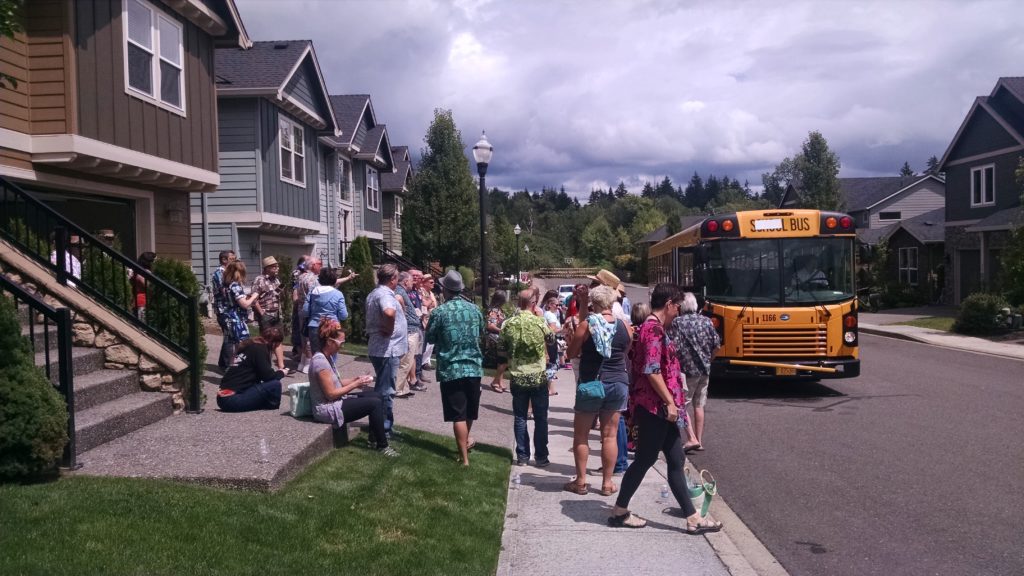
column 777, row 284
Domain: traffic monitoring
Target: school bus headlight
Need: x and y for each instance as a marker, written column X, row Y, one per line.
column 849, row 337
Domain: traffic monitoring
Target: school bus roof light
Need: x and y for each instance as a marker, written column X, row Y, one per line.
column 712, row 225
column 846, row 222
column 830, row 222
column 727, row 225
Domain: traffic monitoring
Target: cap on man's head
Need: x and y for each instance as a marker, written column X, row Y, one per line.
column 269, row 261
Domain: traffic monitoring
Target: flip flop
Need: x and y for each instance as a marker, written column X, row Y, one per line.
column 572, row 486
column 471, row 446
column 609, row 491
column 627, row 520
column 497, row 389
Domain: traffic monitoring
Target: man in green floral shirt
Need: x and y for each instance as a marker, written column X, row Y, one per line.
column 455, row 329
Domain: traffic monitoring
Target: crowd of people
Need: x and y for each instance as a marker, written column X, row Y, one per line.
column 637, row 368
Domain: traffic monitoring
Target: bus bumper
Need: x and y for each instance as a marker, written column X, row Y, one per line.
column 777, row 368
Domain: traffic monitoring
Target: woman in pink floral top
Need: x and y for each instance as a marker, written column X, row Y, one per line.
column 657, row 394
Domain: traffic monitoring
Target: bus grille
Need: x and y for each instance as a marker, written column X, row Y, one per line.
column 798, row 340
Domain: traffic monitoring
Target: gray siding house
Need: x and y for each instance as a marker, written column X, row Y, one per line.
column 273, row 109
column 364, row 156
column 879, row 202
column 983, row 199
column 395, row 186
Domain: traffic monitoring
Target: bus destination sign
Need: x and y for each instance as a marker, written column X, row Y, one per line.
column 791, row 224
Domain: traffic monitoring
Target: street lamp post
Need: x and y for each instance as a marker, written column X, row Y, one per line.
column 482, row 152
column 517, row 230
column 526, row 251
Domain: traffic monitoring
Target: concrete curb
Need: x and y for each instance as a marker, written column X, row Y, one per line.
column 876, row 331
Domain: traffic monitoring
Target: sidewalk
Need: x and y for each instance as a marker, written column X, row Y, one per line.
column 886, row 324
column 552, row 532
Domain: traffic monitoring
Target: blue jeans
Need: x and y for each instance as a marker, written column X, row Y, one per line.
column 621, row 463
column 386, row 369
column 262, row 396
column 521, row 399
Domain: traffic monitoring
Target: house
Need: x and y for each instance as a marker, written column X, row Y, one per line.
column 881, row 201
column 113, row 119
column 365, row 150
column 277, row 174
column 916, row 252
column 395, row 187
column 983, row 199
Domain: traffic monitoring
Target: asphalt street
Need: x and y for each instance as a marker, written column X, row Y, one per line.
column 915, row 467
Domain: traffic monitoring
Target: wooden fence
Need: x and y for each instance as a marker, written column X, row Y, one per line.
column 565, row 272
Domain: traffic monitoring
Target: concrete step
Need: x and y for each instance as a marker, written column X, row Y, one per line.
column 83, row 361
column 111, row 420
column 101, row 386
column 40, row 336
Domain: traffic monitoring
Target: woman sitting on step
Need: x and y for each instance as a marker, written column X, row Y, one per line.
column 252, row 383
column 335, row 401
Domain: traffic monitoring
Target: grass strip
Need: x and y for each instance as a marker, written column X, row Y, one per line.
column 354, row 512
column 934, row 322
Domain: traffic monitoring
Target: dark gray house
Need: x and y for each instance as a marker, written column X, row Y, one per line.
column 395, row 186
column 983, row 198
column 273, row 109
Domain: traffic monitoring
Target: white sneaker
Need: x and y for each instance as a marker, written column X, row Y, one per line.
column 304, row 367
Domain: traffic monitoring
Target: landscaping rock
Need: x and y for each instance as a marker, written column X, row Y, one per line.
column 150, row 382
column 122, row 354
column 82, row 334
column 105, row 339
column 146, row 364
column 114, row 366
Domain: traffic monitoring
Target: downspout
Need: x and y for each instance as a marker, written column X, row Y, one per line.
column 206, row 239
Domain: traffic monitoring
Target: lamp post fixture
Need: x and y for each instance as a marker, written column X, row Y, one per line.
column 482, row 152
column 517, row 231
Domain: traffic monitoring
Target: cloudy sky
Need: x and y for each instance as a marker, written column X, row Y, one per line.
column 586, row 93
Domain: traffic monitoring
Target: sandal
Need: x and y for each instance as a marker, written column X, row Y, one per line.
column 606, row 491
column 627, row 520
column 498, row 389
column 703, row 527
column 579, row 489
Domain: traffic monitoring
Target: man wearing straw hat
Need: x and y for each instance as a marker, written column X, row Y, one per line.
column 267, row 287
column 606, row 278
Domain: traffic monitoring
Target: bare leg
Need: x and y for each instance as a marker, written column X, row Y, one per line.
column 609, row 447
column 461, row 430
column 279, row 355
column 698, row 424
column 581, row 450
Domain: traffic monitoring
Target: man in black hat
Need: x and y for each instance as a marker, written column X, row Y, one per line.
column 454, row 329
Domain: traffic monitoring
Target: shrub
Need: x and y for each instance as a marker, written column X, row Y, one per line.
column 287, row 265
column 979, row 314
column 165, row 315
column 356, row 291
column 468, row 278
column 33, row 416
column 101, row 273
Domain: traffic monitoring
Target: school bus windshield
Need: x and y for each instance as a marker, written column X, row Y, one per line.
column 780, row 271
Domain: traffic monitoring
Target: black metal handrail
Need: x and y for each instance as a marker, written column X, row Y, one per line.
column 60, row 318
column 79, row 259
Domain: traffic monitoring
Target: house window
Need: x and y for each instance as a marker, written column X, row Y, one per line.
column 372, row 189
column 154, row 56
column 398, row 213
column 889, row 215
column 983, row 185
column 293, row 152
column 908, row 266
column 344, row 179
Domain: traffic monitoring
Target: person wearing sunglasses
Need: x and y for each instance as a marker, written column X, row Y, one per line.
column 336, row 401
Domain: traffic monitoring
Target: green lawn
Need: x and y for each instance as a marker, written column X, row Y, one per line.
column 355, row 512
column 933, row 322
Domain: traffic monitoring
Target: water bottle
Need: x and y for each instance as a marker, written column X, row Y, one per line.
column 664, row 492
column 517, row 481
column 264, row 452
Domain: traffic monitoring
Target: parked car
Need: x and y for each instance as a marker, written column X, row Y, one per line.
column 564, row 291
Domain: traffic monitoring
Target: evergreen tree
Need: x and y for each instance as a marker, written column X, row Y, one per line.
column 693, row 197
column 621, row 191
column 906, row 170
column 441, row 221
column 672, row 224
column 933, row 166
column 665, row 189
column 776, row 182
column 647, row 191
column 818, row 171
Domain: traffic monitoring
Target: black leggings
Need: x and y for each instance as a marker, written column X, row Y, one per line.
column 368, row 403
column 655, row 434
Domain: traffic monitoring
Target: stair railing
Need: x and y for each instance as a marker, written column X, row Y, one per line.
column 59, row 318
column 83, row 261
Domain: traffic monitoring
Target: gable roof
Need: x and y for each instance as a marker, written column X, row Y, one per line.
column 1013, row 85
column 396, row 181
column 926, row 228
column 265, row 70
column 349, row 110
column 228, row 12
column 865, row 193
column 375, row 147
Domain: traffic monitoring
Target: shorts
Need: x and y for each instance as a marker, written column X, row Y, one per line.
column 460, row 399
column 697, row 390
column 616, row 396
column 270, row 319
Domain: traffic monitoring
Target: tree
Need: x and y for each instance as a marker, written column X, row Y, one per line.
column 621, row 191
column 647, row 191
column 777, row 181
column 818, row 170
column 1013, row 255
column 933, row 166
column 907, row 171
column 665, row 189
column 360, row 260
column 10, row 24
column 694, row 196
column 441, row 220
column 598, row 241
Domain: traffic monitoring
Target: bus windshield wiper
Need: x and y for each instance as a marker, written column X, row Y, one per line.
column 753, row 287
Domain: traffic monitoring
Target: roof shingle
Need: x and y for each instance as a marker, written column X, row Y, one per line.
column 265, row 65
